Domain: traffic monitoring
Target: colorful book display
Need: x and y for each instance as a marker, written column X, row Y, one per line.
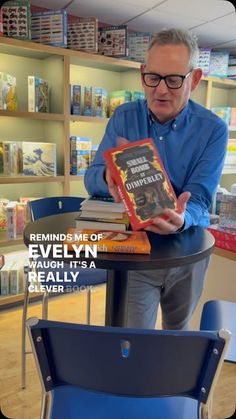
column 82, row 34
column 39, row 159
column 38, row 95
column 50, row 27
column 7, row 92
column 80, row 150
column 138, row 43
column 75, row 99
column 112, row 41
column 88, row 101
column 100, row 102
column 112, row 241
column 142, row 181
column 219, row 64
column 227, row 217
column 117, row 97
column 204, row 60
column 16, row 19
column 224, row 112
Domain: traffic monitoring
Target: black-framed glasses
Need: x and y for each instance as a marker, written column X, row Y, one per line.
column 173, row 81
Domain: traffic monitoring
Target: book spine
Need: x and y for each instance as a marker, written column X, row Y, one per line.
column 31, row 94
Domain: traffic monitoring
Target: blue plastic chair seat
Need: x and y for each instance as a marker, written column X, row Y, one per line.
column 72, row 403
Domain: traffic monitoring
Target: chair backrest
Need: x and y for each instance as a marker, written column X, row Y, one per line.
column 54, row 205
column 218, row 314
column 127, row 362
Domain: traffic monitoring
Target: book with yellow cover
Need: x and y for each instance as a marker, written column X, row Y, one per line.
column 110, row 241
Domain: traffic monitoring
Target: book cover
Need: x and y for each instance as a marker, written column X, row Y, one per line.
column 8, row 99
column 102, row 203
column 50, row 27
column 141, row 180
column 112, row 41
column 38, row 94
column 101, row 223
column 82, row 34
column 39, row 159
column 112, row 241
column 17, row 19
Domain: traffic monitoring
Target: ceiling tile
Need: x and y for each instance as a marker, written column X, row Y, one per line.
column 105, row 13
column 155, row 20
column 202, row 9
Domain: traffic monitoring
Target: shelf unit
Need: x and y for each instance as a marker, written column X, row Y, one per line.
column 62, row 67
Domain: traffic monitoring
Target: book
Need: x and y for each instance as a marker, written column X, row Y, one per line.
column 112, row 41
column 118, row 97
column 102, row 203
column 16, row 19
column 141, row 180
column 101, row 223
column 82, row 33
column 111, row 241
column 38, row 94
column 8, row 99
column 50, row 27
column 110, row 215
column 39, row 159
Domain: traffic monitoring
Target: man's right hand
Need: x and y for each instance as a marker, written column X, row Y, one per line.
column 112, row 185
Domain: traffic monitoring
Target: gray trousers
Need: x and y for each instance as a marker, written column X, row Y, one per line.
column 177, row 290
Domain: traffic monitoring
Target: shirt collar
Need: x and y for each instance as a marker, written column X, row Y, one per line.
column 174, row 123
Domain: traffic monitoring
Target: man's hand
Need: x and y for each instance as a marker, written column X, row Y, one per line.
column 173, row 220
column 112, row 186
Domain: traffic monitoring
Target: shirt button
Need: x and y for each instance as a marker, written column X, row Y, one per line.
column 161, row 138
column 174, row 126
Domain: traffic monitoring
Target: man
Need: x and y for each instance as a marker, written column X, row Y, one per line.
column 191, row 141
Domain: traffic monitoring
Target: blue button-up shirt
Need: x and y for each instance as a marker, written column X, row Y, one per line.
column 192, row 147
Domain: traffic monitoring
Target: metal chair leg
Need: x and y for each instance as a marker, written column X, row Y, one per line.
column 88, row 306
column 23, row 330
column 45, row 306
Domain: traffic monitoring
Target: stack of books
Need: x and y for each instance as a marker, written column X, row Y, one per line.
column 102, row 213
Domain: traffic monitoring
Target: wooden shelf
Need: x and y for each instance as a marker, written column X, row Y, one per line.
column 31, row 179
column 221, row 82
column 224, row 253
column 229, row 171
column 5, row 241
column 90, row 119
column 74, row 178
column 33, row 115
column 41, row 51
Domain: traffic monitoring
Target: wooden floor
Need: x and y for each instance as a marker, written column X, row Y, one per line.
column 25, row 404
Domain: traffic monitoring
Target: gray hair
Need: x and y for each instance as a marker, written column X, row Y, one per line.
column 176, row 37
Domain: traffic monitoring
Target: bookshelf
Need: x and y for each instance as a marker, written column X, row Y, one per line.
column 60, row 67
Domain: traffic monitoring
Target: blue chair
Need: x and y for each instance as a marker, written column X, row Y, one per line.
column 95, row 372
column 217, row 314
column 88, row 277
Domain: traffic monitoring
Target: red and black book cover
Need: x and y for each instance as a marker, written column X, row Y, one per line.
column 141, row 180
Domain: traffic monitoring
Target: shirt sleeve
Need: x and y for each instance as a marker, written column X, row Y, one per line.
column 203, row 179
column 94, row 177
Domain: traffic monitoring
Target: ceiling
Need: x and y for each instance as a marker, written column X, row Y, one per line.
column 213, row 21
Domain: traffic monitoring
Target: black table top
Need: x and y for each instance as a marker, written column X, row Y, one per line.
column 172, row 250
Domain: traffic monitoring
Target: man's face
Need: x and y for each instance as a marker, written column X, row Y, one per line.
column 166, row 103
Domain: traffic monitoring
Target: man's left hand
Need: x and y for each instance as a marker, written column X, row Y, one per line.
column 172, row 221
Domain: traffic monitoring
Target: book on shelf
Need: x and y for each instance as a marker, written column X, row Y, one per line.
column 83, row 33
column 103, row 213
column 97, row 222
column 102, row 203
column 8, row 99
column 39, row 159
column 112, row 41
column 111, row 241
column 141, row 180
column 50, row 27
column 38, row 94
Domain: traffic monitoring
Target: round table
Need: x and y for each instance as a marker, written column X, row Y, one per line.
column 168, row 251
